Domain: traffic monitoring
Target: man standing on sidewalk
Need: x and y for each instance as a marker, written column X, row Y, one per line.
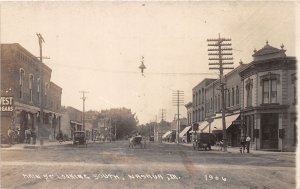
column 248, row 143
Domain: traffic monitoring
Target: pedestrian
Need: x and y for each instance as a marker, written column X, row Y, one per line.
column 243, row 144
column 10, row 134
column 221, row 145
column 33, row 135
column 27, row 136
column 248, row 139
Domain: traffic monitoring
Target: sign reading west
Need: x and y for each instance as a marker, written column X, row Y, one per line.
column 6, row 104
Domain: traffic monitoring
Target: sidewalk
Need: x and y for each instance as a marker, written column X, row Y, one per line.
column 236, row 150
column 21, row 146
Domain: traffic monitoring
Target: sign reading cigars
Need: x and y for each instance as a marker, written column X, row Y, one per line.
column 6, row 104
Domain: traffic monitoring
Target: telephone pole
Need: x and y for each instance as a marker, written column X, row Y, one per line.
column 163, row 114
column 220, row 54
column 83, row 107
column 178, row 100
column 39, row 131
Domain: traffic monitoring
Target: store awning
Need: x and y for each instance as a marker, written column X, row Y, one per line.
column 203, row 125
column 217, row 123
column 184, row 131
column 166, row 134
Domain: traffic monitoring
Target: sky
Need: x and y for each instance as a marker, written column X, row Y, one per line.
column 97, row 46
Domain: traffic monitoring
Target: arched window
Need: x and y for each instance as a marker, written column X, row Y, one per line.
column 22, row 73
column 30, row 86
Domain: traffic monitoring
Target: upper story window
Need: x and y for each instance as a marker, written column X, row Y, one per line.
column 196, row 98
column 199, row 98
column 232, row 96
column 237, row 95
column 30, row 86
column 219, row 105
column 294, row 82
column 38, row 88
column 22, row 73
column 203, row 96
column 249, row 86
column 193, row 99
column 269, row 88
column 228, row 98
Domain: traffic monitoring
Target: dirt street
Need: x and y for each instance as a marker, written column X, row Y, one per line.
column 114, row 165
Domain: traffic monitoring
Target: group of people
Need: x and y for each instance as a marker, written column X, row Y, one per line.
column 245, row 144
column 14, row 136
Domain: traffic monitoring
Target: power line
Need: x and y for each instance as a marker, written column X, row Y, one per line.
column 132, row 72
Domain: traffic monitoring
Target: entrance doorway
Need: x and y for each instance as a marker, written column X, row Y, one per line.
column 269, row 125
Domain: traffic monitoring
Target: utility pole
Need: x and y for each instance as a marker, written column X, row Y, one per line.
column 41, row 41
column 83, row 108
column 163, row 114
column 178, row 100
column 220, row 52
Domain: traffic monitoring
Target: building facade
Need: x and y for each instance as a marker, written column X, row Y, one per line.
column 21, row 81
column 260, row 100
column 71, row 121
column 269, row 100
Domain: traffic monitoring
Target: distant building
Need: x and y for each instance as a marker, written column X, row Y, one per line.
column 269, row 99
column 71, row 121
column 20, row 82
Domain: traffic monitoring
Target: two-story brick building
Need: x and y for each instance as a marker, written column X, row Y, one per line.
column 21, row 80
column 269, row 99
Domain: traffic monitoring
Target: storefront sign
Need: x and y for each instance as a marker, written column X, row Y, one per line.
column 6, row 104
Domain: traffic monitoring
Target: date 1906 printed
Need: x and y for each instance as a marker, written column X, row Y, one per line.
column 210, row 177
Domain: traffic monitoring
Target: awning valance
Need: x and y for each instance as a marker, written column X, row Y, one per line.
column 74, row 122
column 217, row 123
column 184, row 131
column 166, row 134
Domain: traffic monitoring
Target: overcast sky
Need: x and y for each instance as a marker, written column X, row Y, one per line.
column 97, row 46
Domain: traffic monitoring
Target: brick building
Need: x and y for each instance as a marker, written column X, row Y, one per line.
column 260, row 99
column 269, row 100
column 71, row 121
column 20, row 80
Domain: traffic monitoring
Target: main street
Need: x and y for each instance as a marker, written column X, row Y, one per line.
column 159, row 165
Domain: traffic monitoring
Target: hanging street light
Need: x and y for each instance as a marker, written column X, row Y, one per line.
column 142, row 66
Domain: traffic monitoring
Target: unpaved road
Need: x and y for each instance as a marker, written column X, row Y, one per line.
column 114, row 165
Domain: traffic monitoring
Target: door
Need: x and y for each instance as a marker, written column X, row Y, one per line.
column 269, row 125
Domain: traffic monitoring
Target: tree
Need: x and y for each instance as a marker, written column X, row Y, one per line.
column 121, row 121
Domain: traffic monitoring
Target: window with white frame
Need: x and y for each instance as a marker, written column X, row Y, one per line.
column 269, row 88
